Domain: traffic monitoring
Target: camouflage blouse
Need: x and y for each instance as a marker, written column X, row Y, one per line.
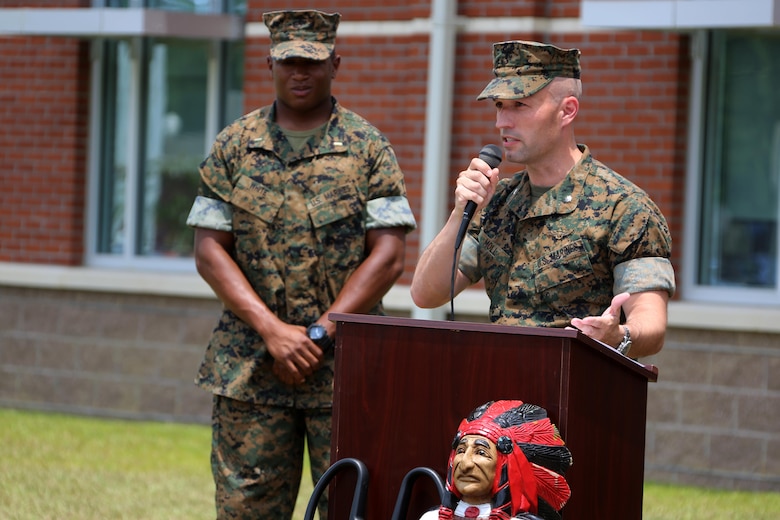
column 300, row 220
column 592, row 236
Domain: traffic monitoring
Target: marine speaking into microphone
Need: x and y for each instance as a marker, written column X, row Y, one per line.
column 491, row 154
column 565, row 241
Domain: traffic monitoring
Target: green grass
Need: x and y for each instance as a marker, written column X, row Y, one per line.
column 667, row 502
column 66, row 467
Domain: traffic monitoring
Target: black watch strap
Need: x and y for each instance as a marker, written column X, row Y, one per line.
column 319, row 336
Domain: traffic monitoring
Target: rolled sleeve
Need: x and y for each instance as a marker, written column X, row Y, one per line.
column 645, row 274
column 388, row 212
column 211, row 214
column 469, row 259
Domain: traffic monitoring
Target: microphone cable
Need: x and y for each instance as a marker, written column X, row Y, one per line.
column 452, row 284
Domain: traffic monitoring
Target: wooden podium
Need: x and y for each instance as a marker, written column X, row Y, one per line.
column 402, row 387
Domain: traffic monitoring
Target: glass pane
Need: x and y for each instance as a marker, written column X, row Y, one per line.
column 114, row 152
column 236, row 7
column 175, row 129
column 190, row 6
column 233, row 82
column 742, row 162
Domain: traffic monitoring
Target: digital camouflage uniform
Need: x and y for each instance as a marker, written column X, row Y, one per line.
column 590, row 237
column 299, row 218
column 300, row 221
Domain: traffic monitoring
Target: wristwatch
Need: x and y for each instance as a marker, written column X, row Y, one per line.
column 625, row 345
column 319, row 336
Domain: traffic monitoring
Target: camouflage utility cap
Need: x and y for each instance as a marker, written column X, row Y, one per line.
column 302, row 34
column 524, row 68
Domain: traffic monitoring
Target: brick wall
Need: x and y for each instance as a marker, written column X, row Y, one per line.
column 632, row 116
column 633, row 113
column 44, row 96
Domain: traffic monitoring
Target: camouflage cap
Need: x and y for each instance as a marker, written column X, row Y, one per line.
column 524, row 68
column 302, row 34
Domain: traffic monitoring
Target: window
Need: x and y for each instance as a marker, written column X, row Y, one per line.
column 192, row 6
column 195, row 6
column 162, row 101
column 737, row 243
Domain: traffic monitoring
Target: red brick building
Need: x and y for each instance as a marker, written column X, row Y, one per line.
column 108, row 106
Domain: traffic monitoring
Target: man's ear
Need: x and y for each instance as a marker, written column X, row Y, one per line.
column 570, row 108
column 336, row 61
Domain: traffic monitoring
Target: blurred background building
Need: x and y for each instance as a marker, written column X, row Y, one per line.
column 108, row 106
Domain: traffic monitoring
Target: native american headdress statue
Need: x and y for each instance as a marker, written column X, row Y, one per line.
column 532, row 460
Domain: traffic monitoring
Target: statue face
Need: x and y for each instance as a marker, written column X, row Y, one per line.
column 474, row 468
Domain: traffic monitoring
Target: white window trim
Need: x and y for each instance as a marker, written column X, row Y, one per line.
column 128, row 258
column 99, row 22
column 680, row 14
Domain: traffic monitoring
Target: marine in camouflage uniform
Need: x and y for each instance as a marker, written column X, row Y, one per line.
column 300, row 217
column 563, row 253
column 586, row 239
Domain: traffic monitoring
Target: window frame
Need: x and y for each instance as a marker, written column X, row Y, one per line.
column 692, row 290
column 215, row 84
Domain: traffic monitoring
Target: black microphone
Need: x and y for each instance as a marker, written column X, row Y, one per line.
column 492, row 155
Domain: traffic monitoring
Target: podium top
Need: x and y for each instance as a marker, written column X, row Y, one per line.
column 648, row 371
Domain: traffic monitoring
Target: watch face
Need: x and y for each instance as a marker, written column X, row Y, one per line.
column 316, row 332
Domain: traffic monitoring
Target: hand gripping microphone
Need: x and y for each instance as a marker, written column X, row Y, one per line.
column 492, row 155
